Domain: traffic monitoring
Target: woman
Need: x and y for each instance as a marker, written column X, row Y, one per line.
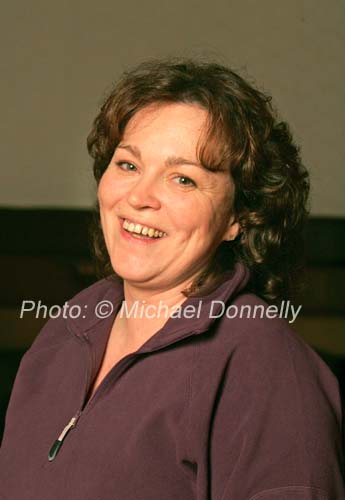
column 154, row 390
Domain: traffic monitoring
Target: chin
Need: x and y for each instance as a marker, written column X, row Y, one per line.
column 132, row 273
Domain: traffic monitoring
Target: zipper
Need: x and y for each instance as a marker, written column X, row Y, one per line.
column 54, row 450
column 89, row 370
column 72, row 423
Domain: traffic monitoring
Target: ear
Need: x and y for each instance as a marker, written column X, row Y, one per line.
column 232, row 230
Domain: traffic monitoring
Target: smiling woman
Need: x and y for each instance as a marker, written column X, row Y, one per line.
column 238, row 135
column 190, row 204
column 201, row 203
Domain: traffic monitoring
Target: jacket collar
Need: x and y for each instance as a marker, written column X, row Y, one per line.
column 109, row 291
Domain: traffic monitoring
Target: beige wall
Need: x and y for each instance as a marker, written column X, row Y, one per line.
column 58, row 59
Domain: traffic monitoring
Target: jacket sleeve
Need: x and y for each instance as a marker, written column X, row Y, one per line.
column 276, row 427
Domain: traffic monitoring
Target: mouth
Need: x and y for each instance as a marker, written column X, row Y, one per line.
column 139, row 231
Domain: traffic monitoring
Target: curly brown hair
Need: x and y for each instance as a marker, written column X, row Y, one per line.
column 243, row 133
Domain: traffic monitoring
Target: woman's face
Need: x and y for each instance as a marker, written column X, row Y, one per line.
column 154, row 179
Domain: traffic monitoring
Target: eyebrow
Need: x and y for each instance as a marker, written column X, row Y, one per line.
column 171, row 161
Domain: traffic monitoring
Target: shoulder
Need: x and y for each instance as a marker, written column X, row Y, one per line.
column 267, row 331
column 273, row 363
column 55, row 330
column 272, row 397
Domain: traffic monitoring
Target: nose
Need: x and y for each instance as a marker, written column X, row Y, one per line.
column 143, row 194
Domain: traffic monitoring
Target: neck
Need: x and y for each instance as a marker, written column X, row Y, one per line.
column 145, row 311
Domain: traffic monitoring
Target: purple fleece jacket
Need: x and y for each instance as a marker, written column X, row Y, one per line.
column 207, row 409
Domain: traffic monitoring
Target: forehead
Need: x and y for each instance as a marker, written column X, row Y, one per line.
column 168, row 119
column 170, row 132
column 181, row 129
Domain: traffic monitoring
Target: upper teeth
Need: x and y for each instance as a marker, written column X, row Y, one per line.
column 144, row 230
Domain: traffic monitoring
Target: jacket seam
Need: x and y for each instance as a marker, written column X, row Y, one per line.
column 190, row 399
column 302, row 411
column 291, row 488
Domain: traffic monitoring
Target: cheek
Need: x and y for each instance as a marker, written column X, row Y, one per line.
column 192, row 218
column 107, row 193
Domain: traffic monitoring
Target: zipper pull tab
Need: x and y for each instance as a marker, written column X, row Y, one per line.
column 58, row 443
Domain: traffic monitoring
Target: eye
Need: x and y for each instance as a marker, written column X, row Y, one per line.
column 186, row 181
column 125, row 165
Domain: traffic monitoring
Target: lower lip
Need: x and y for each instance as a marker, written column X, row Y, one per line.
column 138, row 238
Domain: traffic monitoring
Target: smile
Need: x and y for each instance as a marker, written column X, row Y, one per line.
column 147, row 231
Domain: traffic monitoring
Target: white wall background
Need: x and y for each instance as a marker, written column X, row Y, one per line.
column 59, row 58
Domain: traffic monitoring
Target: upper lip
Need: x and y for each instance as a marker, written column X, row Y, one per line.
column 129, row 219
